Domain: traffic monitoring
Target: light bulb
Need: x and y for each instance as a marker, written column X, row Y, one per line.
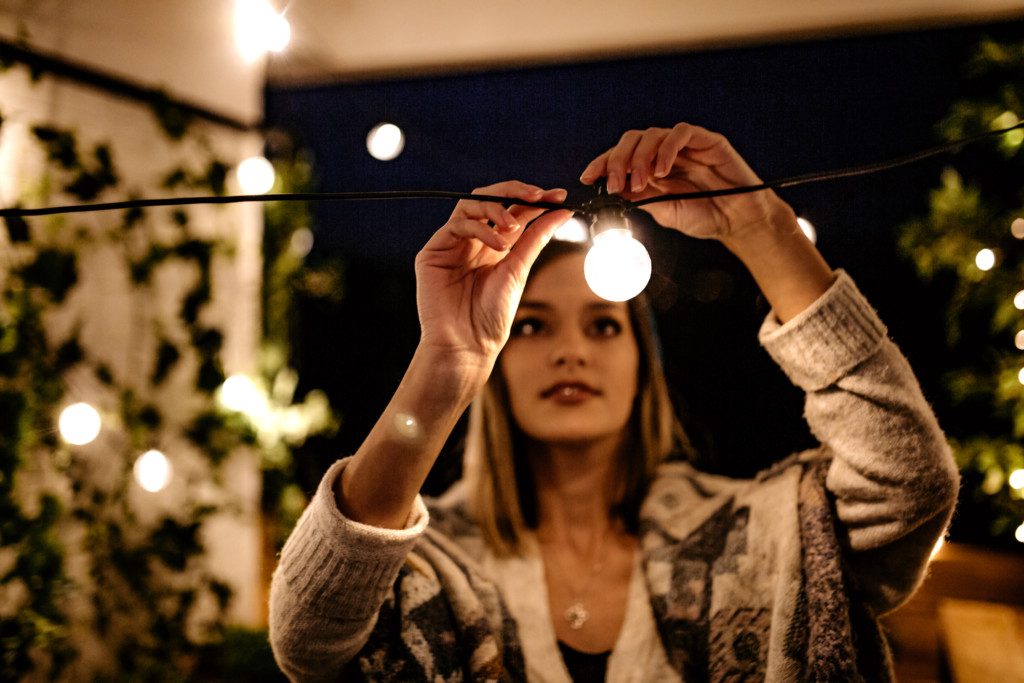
column 1019, row 533
column 1017, row 228
column 259, row 29
column 985, row 259
column 301, row 242
column 617, row 267
column 385, row 141
column 1020, row 376
column 255, row 175
column 1018, row 300
column 1016, row 479
column 79, row 424
column 573, row 230
column 1018, row 340
column 240, row 394
column 808, row 229
column 152, row 470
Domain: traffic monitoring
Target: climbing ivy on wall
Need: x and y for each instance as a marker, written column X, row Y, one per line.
column 81, row 569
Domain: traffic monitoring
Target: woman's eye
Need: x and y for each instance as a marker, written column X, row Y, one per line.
column 526, row 327
column 607, row 327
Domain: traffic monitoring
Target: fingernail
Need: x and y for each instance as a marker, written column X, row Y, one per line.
column 660, row 171
column 614, row 183
column 561, row 194
column 637, row 182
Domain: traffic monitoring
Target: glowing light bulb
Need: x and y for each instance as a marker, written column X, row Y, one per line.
column 259, row 29
column 152, row 470
column 808, row 229
column 79, row 424
column 301, row 242
column 617, row 267
column 239, row 393
column 1019, row 533
column 1016, row 479
column 573, row 230
column 255, row 175
column 385, row 141
column 1020, row 376
column 1018, row 300
column 1017, row 228
column 985, row 259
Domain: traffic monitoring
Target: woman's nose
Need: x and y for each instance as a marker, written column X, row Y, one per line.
column 570, row 349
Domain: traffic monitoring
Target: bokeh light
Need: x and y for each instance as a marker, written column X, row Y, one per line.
column 79, row 424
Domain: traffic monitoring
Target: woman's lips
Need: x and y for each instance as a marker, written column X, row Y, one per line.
column 569, row 392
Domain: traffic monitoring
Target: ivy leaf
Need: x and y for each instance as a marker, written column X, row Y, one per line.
column 207, row 341
column 210, row 376
column 172, row 118
column 175, row 178
column 216, row 176
column 192, row 302
column 69, row 353
column 166, row 357
column 61, row 146
column 17, row 228
column 104, row 375
column 53, row 270
column 150, row 417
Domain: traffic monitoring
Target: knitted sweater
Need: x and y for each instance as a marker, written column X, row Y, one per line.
column 779, row 577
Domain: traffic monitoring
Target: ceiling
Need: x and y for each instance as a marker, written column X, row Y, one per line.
column 338, row 40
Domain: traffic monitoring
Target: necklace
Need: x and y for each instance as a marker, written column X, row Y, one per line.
column 577, row 613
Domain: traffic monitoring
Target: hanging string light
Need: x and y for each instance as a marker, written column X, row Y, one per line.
column 259, row 29
column 152, row 470
column 255, row 175
column 79, row 424
column 385, row 141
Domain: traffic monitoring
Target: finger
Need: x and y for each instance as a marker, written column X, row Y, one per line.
column 514, row 189
column 595, row 169
column 530, row 243
column 618, row 160
column 525, row 214
column 468, row 229
column 641, row 166
column 704, row 147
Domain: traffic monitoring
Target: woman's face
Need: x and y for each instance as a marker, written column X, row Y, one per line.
column 572, row 360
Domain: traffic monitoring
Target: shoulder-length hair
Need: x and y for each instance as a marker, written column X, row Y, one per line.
column 499, row 484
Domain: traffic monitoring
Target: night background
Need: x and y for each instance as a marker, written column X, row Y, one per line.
column 788, row 109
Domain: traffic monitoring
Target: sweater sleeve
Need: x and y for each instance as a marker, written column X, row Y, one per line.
column 331, row 580
column 892, row 472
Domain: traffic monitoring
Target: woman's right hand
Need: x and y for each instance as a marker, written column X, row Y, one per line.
column 470, row 276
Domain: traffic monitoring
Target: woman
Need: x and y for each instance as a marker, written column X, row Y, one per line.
column 570, row 549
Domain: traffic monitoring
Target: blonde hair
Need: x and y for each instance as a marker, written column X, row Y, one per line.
column 499, row 485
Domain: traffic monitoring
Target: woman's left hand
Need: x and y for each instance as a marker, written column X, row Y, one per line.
column 686, row 158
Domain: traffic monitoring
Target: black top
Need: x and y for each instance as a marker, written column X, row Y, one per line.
column 584, row 667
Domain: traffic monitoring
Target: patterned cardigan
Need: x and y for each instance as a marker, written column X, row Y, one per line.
column 777, row 578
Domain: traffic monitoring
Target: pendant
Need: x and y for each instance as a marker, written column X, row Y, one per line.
column 577, row 615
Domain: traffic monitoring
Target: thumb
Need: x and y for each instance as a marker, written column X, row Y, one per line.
column 534, row 238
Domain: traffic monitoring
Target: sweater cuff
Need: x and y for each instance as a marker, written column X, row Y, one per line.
column 826, row 340
column 339, row 566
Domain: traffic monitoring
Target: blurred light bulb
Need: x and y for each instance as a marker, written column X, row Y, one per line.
column 255, row 175
column 301, row 242
column 1018, row 340
column 1016, row 479
column 385, row 141
column 1019, row 533
column 79, row 424
column 1020, row 376
column 573, row 230
column 152, row 470
column 1017, row 228
column 1018, row 300
column 240, row 394
column 808, row 229
column 617, row 267
column 985, row 259
column 259, row 29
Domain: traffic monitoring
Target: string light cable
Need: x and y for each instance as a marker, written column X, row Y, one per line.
column 607, row 213
column 588, row 208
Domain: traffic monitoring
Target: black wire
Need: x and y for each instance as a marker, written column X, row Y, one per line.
column 794, row 181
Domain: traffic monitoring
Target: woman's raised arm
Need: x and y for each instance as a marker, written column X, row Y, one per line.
column 469, row 279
